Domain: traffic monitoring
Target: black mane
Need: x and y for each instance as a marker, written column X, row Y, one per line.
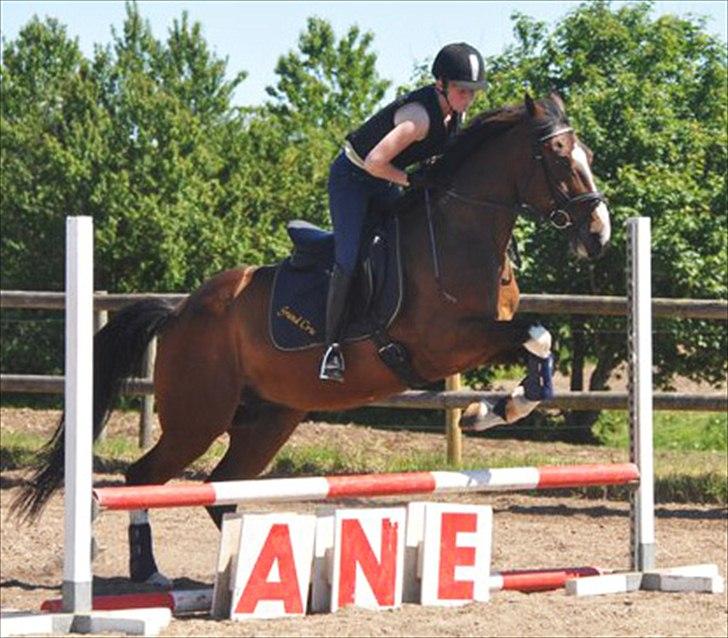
column 485, row 126
column 488, row 125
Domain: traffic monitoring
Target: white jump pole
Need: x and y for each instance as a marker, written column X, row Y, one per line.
column 699, row 578
column 76, row 589
column 77, row 575
column 639, row 347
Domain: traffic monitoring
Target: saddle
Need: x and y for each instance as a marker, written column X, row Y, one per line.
column 297, row 316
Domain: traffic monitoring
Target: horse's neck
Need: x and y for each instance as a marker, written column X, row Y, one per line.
column 471, row 239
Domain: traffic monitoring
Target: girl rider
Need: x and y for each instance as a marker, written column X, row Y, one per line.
column 370, row 168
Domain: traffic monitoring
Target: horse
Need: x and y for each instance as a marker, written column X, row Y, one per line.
column 217, row 372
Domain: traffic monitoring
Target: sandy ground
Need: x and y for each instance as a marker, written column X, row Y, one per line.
column 529, row 532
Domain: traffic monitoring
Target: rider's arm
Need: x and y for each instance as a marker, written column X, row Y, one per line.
column 411, row 125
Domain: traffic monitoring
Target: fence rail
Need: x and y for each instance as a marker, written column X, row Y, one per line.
column 714, row 309
column 428, row 399
column 450, row 400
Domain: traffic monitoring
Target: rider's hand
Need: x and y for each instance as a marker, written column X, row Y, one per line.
column 422, row 178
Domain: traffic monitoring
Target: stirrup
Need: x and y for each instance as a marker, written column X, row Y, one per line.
column 332, row 364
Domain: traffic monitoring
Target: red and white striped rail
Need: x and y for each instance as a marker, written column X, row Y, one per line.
column 179, row 601
column 363, row 485
column 186, row 601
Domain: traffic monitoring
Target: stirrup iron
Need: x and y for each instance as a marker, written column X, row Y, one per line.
column 332, row 364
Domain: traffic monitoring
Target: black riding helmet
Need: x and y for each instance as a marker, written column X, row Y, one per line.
column 460, row 64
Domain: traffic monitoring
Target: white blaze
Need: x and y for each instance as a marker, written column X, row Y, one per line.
column 579, row 156
column 600, row 223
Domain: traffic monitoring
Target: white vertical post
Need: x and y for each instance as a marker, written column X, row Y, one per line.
column 77, row 575
column 452, row 426
column 639, row 295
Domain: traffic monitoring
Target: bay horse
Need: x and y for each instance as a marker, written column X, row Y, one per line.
column 217, row 371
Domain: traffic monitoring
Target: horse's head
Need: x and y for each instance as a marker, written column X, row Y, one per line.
column 559, row 185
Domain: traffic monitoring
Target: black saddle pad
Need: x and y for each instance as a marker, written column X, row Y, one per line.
column 297, row 316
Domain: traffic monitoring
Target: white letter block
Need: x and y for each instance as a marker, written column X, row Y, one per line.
column 368, row 558
column 456, row 554
column 227, row 560
column 413, row 551
column 323, row 561
column 274, row 566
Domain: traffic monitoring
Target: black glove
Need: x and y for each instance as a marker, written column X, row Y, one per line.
column 422, row 178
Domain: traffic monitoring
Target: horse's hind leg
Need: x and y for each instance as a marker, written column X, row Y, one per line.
column 258, row 431
column 189, row 427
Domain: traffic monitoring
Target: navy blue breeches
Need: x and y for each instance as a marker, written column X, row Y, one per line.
column 352, row 191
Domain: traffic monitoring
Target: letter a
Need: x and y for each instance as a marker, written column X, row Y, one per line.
column 276, row 549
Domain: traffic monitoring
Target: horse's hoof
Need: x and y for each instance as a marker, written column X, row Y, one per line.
column 480, row 416
column 160, row 581
column 476, row 417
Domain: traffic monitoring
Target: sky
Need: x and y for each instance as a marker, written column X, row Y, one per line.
column 253, row 35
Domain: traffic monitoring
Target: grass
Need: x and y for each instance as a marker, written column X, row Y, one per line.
column 17, row 449
column 690, row 456
column 677, row 431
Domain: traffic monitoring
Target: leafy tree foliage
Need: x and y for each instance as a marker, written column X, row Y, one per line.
column 648, row 96
column 324, row 90
column 328, row 84
column 144, row 137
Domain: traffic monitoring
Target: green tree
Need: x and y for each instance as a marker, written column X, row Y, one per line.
column 45, row 99
column 139, row 138
column 328, row 84
column 324, row 89
column 648, row 96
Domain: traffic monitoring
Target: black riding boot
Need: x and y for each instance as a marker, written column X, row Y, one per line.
column 332, row 364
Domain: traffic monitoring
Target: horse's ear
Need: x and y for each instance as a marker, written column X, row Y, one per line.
column 530, row 105
column 556, row 99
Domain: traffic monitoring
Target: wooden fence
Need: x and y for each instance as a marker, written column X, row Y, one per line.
column 452, row 399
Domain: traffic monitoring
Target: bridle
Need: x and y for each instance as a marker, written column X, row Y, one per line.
column 562, row 214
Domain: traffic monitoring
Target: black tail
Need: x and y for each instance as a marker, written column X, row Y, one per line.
column 118, row 350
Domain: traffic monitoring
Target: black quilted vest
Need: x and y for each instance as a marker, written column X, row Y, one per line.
column 369, row 134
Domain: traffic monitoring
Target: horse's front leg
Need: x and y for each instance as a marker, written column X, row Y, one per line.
column 535, row 387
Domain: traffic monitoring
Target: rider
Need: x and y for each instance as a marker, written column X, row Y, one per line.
column 370, row 168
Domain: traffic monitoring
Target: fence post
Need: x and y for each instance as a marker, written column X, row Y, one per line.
column 639, row 348
column 78, row 455
column 452, row 426
column 146, row 418
column 101, row 318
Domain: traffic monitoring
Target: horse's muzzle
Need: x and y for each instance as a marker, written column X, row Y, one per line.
column 590, row 240
column 589, row 247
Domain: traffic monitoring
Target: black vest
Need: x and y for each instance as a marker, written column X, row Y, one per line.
column 369, row 134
